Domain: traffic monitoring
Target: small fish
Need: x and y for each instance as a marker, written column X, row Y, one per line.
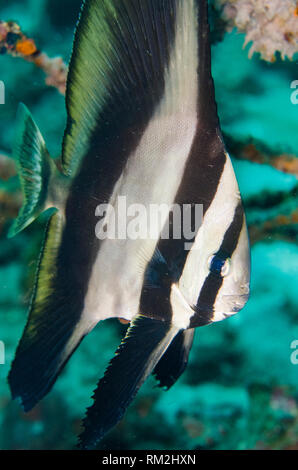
column 142, row 124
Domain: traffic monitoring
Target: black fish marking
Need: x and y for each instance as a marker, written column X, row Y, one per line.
column 204, row 308
column 207, row 157
column 131, row 71
column 173, row 363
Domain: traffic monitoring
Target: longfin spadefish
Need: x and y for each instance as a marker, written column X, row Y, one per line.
column 116, row 71
column 146, row 341
column 50, row 336
column 34, row 168
column 173, row 363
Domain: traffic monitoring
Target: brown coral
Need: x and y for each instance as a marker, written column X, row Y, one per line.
column 17, row 44
column 55, row 69
column 275, row 227
column 7, row 167
column 282, row 162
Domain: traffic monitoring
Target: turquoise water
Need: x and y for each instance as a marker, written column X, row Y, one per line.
column 240, row 390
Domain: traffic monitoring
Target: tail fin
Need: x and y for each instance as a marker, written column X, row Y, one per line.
column 143, row 346
column 34, row 167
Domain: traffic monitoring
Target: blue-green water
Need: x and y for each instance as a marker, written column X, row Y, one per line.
column 240, row 390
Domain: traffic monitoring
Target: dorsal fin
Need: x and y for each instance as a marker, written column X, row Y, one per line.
column 116, row 71
column 207, row 107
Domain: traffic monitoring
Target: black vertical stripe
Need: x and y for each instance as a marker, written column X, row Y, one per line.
column 207, row 109
column 214, row 281
column 133, row 97
column 207, row 158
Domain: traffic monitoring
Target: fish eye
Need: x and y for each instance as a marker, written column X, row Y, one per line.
column 219, row 265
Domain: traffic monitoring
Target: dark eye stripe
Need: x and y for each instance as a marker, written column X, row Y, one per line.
column 213, row 282
column 231, row 237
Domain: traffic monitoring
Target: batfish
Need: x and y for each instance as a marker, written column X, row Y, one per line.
column 142, row 125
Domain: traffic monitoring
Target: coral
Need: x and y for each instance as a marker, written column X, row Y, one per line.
column 17, row 44
column 271, row 25
column 7, row 167
column 55, row 69
column 284, row 162
column 280, row 227
column 10, row 204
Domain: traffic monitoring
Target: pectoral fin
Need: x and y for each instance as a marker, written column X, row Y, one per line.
column 34, row 168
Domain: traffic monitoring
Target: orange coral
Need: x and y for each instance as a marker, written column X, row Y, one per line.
column 17, row 44
column 26, row 47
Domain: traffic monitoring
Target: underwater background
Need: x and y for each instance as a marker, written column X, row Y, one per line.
column 240, row 389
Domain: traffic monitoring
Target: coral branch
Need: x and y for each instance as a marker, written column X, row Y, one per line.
column 10, row 204
column 55, row 69
column 7, row 167
column 282, row 226
column 257, row 152
column 17, row 44
column 271, row 25
column 283, row 162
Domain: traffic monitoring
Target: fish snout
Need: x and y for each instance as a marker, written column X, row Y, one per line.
column 228, row 305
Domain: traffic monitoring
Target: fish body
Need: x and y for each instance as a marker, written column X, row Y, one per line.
column 142, row 127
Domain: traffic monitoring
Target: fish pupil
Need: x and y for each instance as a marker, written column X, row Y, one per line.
column 219, row 265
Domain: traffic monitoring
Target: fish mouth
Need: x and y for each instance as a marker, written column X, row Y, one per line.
column 229, row 305
column 238, row 300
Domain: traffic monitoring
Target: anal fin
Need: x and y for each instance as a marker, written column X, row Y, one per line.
column 145, row 342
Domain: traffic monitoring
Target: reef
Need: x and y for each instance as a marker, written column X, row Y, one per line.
column 271, row 25
column 17, row 44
